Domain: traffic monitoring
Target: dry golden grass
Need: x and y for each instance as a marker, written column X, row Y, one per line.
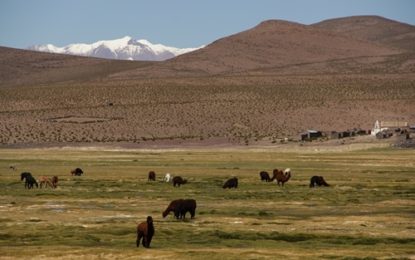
column 366, row 213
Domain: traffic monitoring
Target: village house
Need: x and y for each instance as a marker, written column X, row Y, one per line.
column 384, row 129
column 311, row 135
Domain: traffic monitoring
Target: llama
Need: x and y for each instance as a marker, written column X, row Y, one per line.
column 29, row 180
column 46, row 181
column 180, row 207
column 264, row 176
column 151, row 176
column 55, row 181
column 231, row 183
column 281, row 176
column 178, row 181
column 318, row 181
column 188, row 205
column 145, row 231
column 77, row 172
column 167, row 177
column 171, row 207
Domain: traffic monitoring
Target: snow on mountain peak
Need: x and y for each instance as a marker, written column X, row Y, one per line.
column 125, row 48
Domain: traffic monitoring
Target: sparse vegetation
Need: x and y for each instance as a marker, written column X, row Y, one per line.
column 370, row 204
column 227, row 109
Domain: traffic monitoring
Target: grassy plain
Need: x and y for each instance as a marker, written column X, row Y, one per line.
column 367, row 213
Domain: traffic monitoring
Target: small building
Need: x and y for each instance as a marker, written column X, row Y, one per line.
column 311, row 135
column 335, row 135
column 376, row 128
column 381, row 126
column 347, row 134
column 393, row 124
column 361, row 132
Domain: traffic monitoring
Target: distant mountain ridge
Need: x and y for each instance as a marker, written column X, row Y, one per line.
column 271, row 45
column 125, row 48
column 375, row 29
column 358, row 44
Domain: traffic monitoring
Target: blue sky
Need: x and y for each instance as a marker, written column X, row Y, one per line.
column 179, row 23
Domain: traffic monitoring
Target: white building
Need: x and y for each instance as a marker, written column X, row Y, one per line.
column 385, row 125
column 376, row 128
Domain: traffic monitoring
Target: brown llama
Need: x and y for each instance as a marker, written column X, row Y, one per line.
column 318, row 181
column 231, row 183
column 187, row 205
column 177, row 180
column 180, row 207
column 172, row 207
column 281, row 176
column 46, row 181
column 77, row 172
column 151, row 176
column 55, row 181
column 145, row 230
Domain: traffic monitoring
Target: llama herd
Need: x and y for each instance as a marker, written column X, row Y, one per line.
column 145, row 230
column 179, row 207
column 280, row 176
column 44, row 181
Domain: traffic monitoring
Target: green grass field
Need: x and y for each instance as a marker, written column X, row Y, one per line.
column 367, row 213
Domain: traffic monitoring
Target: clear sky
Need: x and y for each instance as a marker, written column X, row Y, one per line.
column 179, row 23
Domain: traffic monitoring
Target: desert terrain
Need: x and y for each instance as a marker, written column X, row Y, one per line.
column 259, row 86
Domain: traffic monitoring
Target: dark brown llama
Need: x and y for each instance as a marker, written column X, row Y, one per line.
column 151, row 176
column 145, row 231
column 172, row 207
column 318, row 181
column 180, row 207
column 231, row 183
column 77, row 172
column 264, row 176
column 177, row 180
column 188, row 205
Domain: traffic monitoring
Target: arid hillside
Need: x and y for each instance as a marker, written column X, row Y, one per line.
column 374, row 29
column 22, row 67
column 272, row 43
column 256, row 87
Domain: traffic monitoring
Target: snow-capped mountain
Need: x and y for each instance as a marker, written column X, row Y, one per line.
column 125, row 48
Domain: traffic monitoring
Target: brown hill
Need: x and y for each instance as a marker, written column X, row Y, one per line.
column 256, row 87
column 270, row 44
column 19, row 67
column 374, row 29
